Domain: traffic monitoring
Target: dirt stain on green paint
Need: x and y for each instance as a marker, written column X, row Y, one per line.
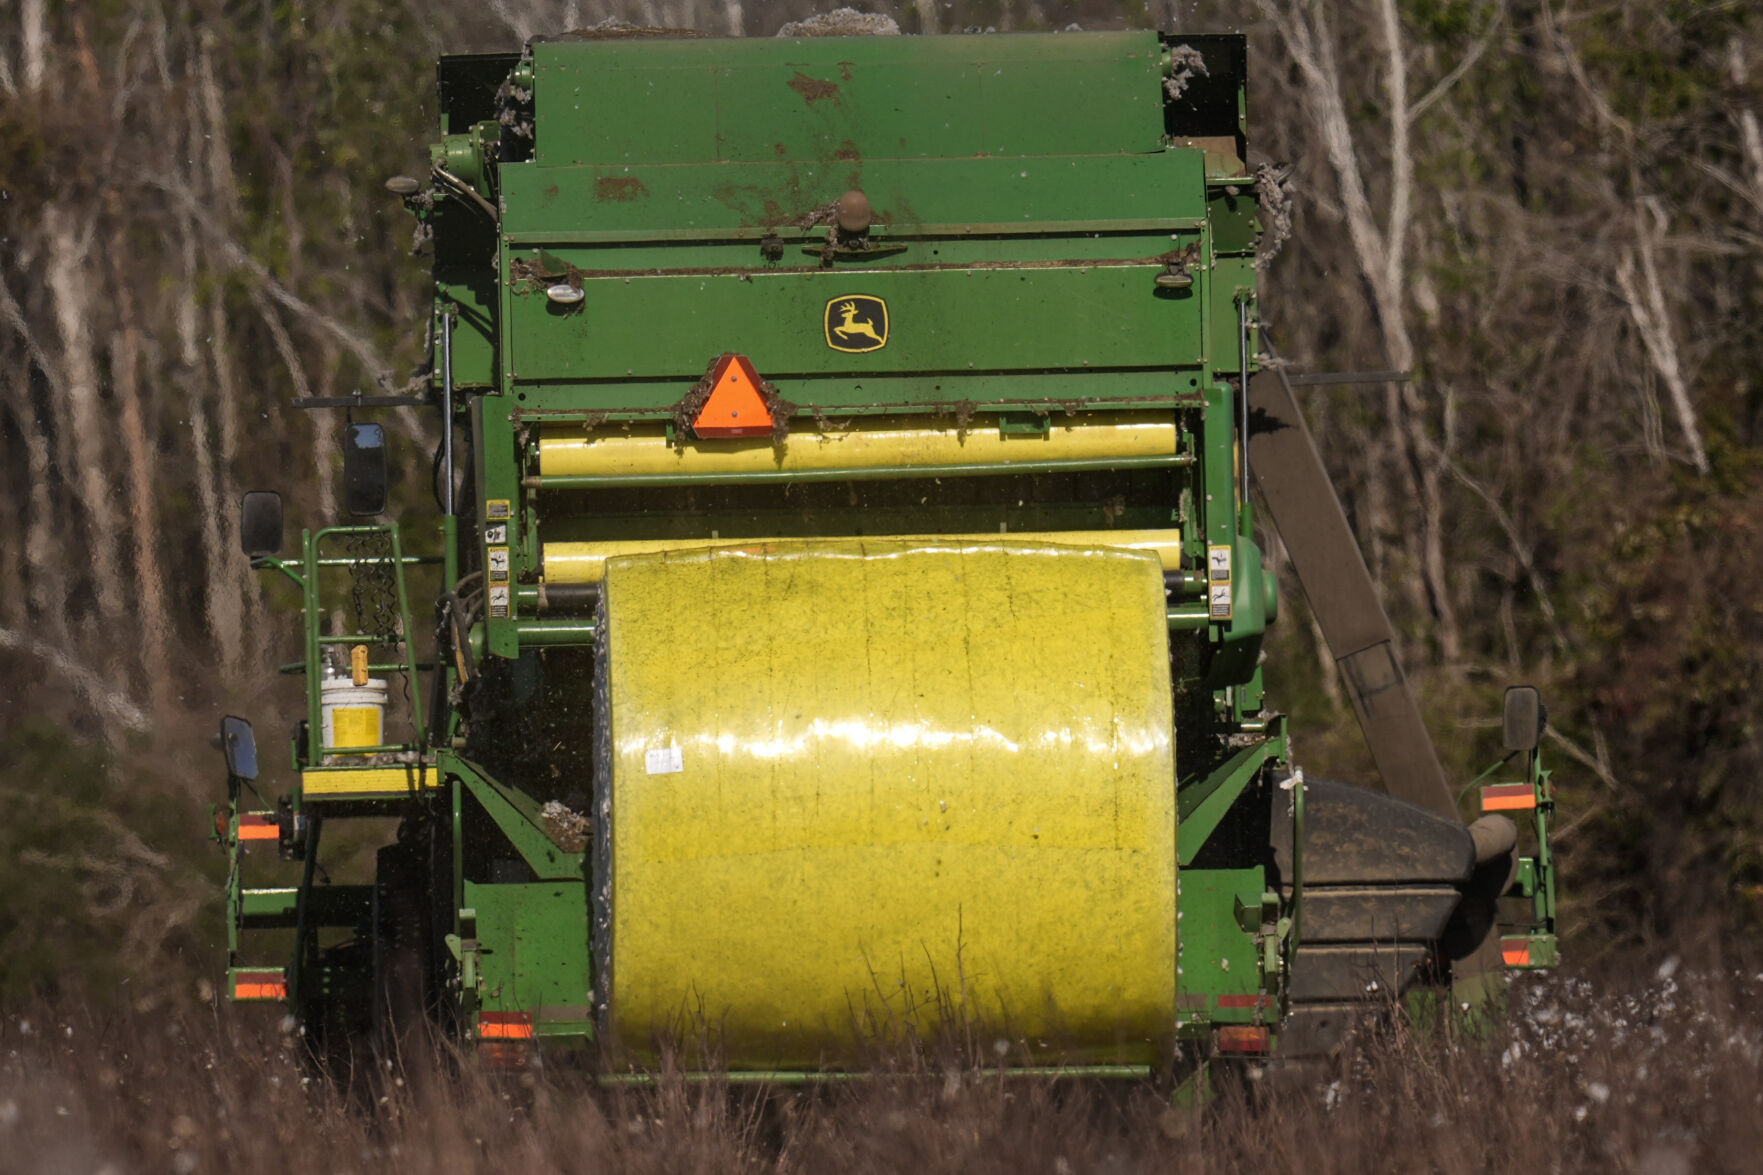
column 619, row 187
column 814, row 90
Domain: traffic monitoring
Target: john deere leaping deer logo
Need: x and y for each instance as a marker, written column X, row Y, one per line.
column 856, row 323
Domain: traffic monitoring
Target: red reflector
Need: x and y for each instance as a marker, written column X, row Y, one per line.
column 1515, row 951
column 505, row 1025
column 252, row 827
column 1243, row 1038
column 504, row 1054
column 1245, row 1001
column 1508, row 797
column 736, row 405
column 260, row 985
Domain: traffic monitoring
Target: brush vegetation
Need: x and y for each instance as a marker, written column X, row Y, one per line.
column 1659, row 1076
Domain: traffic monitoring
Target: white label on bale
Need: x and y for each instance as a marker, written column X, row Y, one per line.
column 664, row 761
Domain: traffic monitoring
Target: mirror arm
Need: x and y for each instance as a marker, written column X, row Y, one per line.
column 1495, row 767
column 275, row 564
column 235, row 782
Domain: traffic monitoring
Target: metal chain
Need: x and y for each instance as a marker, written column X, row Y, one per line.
column 373, row 587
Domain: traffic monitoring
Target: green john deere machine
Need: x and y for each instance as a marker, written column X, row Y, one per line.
column 841, row 621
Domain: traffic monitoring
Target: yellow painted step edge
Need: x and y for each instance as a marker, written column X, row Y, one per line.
column 367, row 781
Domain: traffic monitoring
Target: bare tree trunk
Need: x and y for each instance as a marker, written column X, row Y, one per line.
column 1645, row 298
column 324, row 436
column 223, row 191
column 42, row 550
column 220, row 595
column 1382, row 257
column 220, row 592
column 69, row 287
column 33, row 44
column 155, row 617
column 44, row 571
column 246, row 601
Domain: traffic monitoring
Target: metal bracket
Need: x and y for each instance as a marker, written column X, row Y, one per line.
column 358, row 400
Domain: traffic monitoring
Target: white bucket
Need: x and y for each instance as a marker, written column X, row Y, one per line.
column 354, row 715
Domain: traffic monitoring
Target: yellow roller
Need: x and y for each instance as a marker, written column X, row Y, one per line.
column 889, row 444
column 855, row 789
column 586, row 562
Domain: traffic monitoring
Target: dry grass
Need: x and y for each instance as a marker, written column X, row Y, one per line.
column 1659, row 1076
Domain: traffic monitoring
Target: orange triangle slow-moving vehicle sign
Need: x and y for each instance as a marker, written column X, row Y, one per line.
column 736, row 406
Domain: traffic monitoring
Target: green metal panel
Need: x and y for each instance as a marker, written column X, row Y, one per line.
column 940, row 321
column 1217, row 956
column 1029, row 390
column 534, row 948
column 684, row 102
column 913, row 196
column 1234, row 212
column 1205, row 803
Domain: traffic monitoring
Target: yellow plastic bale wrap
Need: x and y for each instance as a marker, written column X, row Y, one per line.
column 849, row 783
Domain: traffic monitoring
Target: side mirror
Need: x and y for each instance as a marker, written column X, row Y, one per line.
column 1525, row 718
column 239, row 746
column 364, row 469
column 260, row 524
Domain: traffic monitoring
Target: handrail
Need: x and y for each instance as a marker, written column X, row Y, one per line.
column 317, row 642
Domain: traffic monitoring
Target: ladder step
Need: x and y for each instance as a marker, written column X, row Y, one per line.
column 328, row 906
column 260, row 985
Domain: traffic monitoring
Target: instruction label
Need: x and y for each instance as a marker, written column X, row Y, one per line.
column 498, row 564
column 499, row 508
column 496, row 534
column 499, row 602
column 1218, row 581
column 1218, row 564
column 1218, row 601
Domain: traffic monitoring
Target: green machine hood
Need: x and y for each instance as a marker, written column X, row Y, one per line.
column 1024, row 194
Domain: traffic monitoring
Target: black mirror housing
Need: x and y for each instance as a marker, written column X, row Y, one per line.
column 364, row 469
column 239, row 745
column 1524, row 719
column 260, row 524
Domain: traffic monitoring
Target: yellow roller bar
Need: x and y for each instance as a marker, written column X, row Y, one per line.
column 891, row 443
column 586, row 562
column 366, row 783
column 870, row 790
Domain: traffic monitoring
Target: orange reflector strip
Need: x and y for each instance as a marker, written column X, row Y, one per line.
column 258, row 828
column 505, row 1026
column 261, row 985
column 736, row 407
column 1508, row 797
column 1243, row 1038
column 498, row 1054
column 1515, row 951
column 1245, row 1001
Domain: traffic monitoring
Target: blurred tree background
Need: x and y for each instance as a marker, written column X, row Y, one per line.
column 1552, row 213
